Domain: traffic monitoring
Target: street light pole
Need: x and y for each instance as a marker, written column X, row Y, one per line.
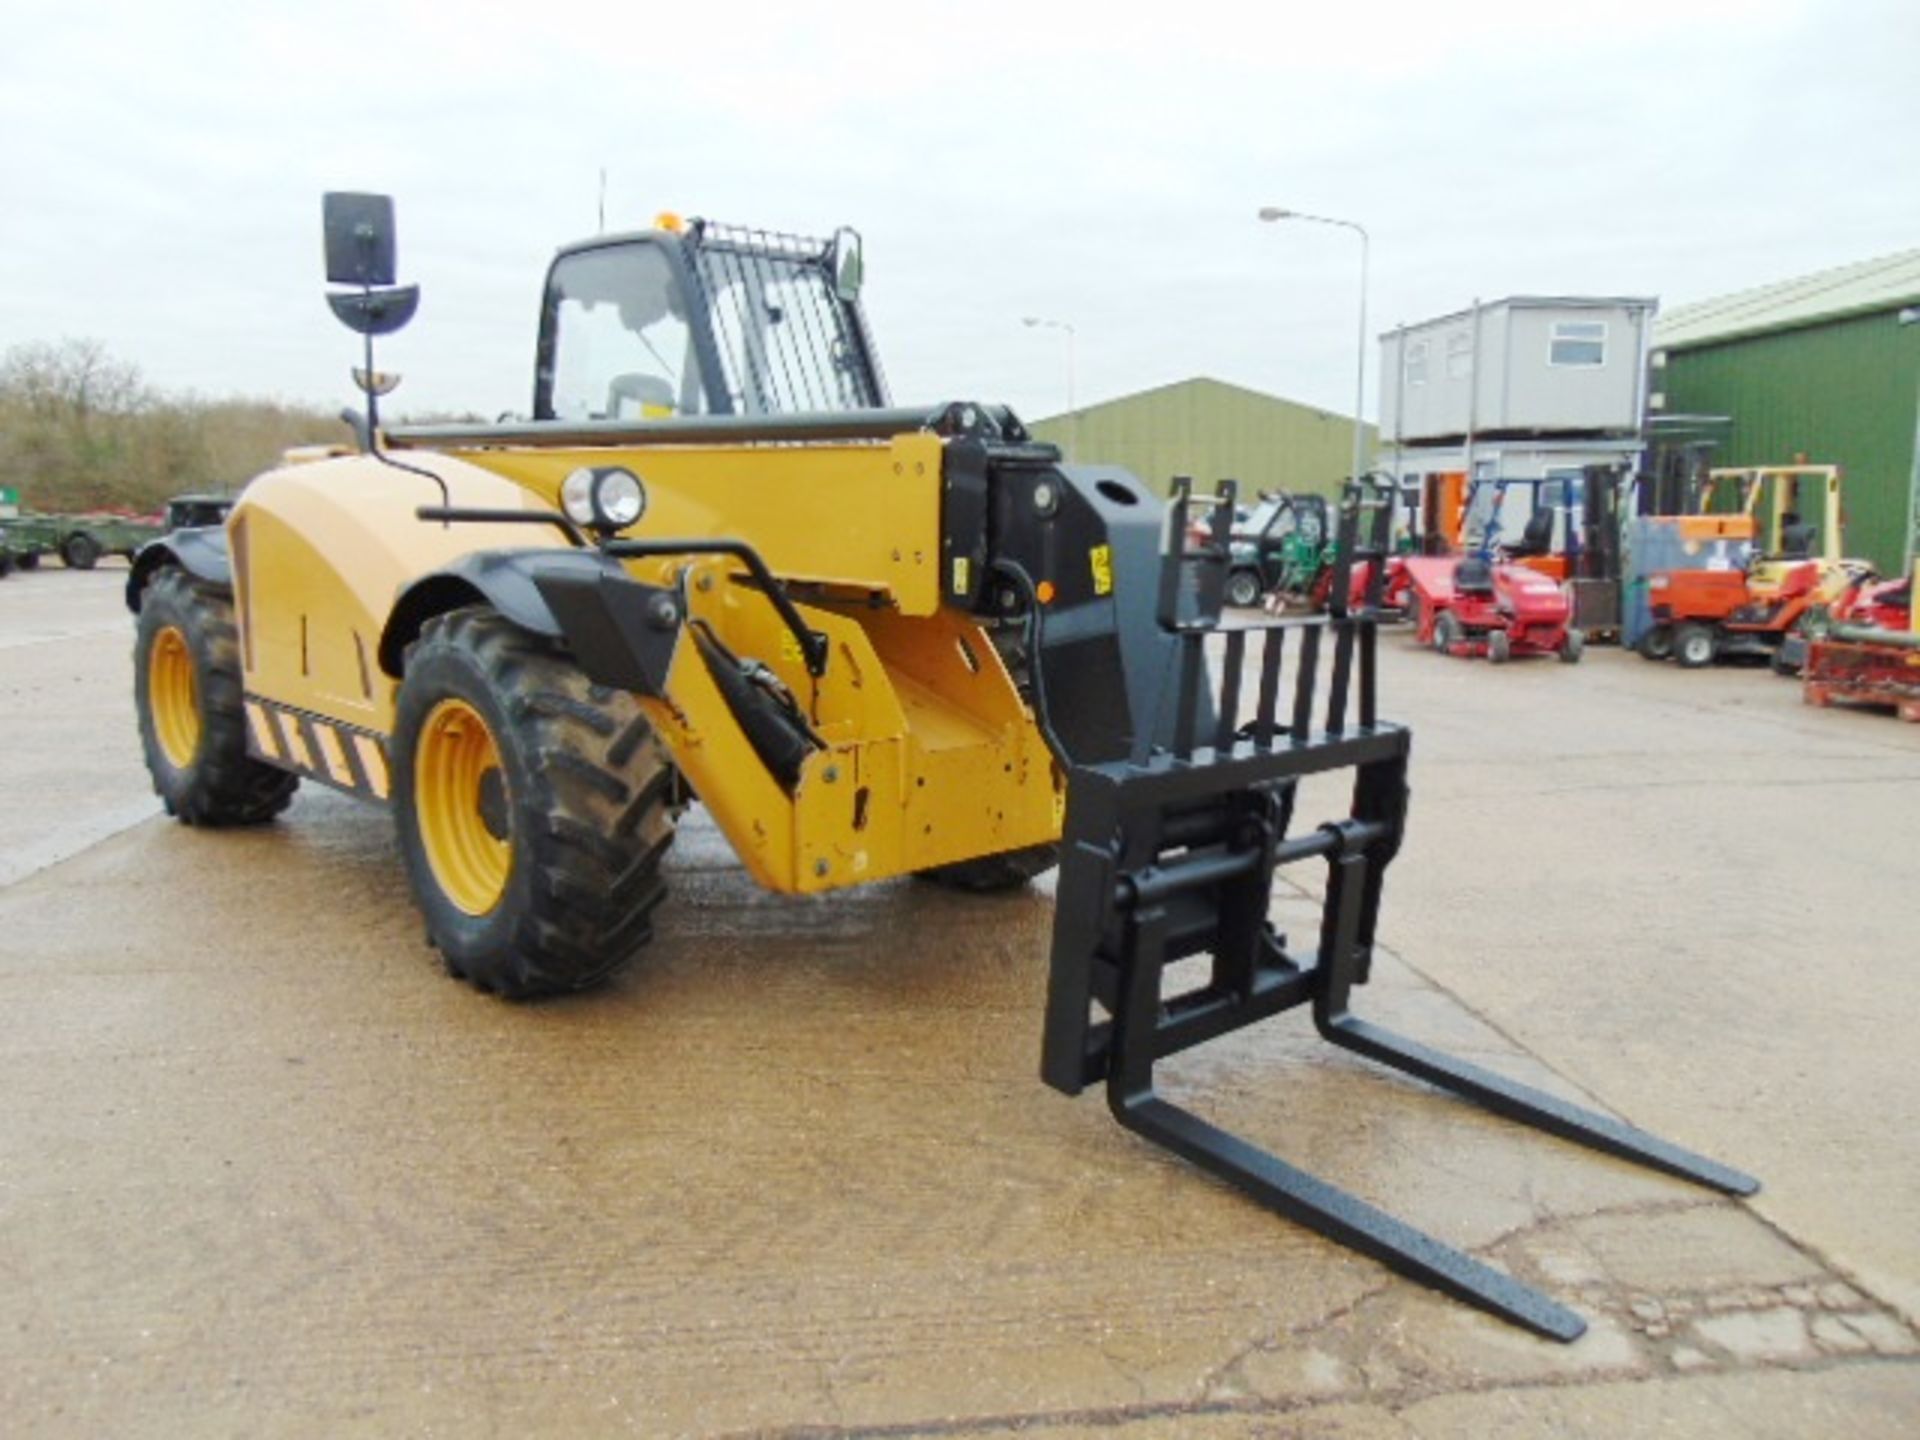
column 1275, row 212
column 1073, row 414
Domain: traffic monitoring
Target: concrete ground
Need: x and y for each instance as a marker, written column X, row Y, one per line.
column 264, row 1170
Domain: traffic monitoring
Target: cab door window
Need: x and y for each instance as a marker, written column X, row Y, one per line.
column 622, row 348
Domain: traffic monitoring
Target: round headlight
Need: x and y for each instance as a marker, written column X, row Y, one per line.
column 618, row 497
column 576, row 496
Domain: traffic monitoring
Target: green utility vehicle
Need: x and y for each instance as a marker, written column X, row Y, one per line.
column 1283, row 547
column 81, row 540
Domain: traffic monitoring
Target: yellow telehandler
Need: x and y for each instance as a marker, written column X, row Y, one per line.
column 719, row 566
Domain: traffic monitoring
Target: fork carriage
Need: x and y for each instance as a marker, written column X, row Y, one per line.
column 1171, row 853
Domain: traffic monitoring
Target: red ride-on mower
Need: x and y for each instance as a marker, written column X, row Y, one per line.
column 1478, row 605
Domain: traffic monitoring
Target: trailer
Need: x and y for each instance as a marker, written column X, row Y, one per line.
column 80, row 540
column 1873, row 656
column 1865, row 667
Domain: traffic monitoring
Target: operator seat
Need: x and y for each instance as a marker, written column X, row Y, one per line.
column 1796, row 539
column 1473, row 575
column 1537, row 538
column 639, row 396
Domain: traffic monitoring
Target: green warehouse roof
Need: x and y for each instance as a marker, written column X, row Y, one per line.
column 1211, row 429
column 1199, row 385
column 1857, row 289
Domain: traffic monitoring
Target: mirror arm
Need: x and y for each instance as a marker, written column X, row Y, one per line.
column 362, row 431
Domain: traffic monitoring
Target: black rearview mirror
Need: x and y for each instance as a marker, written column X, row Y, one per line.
column 360, row 238
column 361, row 252
column 849, row 264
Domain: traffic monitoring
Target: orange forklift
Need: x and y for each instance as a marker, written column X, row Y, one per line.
column 1749, row 609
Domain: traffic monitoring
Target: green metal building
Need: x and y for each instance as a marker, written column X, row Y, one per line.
column 1212, row 431
column 1826, row 367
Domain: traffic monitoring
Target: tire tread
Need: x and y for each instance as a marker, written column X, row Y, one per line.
column 598, row 820
column 225, row 785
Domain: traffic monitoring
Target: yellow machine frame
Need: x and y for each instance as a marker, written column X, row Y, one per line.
column 930, row 754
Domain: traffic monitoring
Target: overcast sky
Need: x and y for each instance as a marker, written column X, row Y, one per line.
column 163, row 164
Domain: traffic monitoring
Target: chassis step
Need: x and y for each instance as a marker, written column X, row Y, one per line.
column 1171, row 853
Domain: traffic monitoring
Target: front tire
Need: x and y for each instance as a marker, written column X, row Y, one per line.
column 1447, row 632
column 1243, row 589
column 533, row 808
column 1790, row 656
column 1572, row 646
column 1694, row 646
column 193, row 723
column 1499, row 647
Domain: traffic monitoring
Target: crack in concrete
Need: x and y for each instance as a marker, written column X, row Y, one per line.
column 1593, row 1100
column 1306, row 1332
column 1394, row 1400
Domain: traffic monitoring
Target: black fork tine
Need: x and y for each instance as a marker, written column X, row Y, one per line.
column 1342, row 675
column 1306, row 676
column 1232, row 663
column 1271, row 654
column 1187, row 715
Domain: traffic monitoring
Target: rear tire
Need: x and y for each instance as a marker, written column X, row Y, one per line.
column 574, row 809
column 30, row 560
column 1694, row 646
column 193, row 723
column 1243, row 589
column 80, row 551
column 1657, row 643
column 986, row 874
column 1790, row 655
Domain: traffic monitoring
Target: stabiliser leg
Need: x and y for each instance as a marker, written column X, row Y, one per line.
column 1171, row 855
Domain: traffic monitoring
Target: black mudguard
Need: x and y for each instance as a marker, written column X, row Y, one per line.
column 622, row 632
column 508, row 580
column 200, row 551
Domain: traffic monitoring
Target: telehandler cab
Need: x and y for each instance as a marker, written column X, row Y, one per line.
column 871, row 640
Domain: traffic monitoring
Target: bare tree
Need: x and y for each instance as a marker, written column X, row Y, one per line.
column 81, row 430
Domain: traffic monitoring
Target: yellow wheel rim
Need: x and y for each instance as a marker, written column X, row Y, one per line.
column 173, row 697
column 460, row 800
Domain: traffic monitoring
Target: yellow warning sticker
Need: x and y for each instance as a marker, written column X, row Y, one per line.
column 962, row 572
column 1101, row 557
column 790, row 649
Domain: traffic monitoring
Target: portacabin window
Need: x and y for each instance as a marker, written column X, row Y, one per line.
column 1459, row 356
column 1578, row 342
column 1417, row 363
